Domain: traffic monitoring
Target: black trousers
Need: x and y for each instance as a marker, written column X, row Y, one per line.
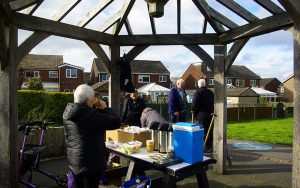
column 86, row 180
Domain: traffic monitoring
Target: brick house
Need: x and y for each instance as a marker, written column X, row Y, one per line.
column 54, row 74
column 288, row 88
column 143, row 72
column 238, row 76
column 270, row 84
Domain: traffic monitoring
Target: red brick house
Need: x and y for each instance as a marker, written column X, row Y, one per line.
column 54, row 74
column 143, row 72
column 270, row 84
column 238, row 76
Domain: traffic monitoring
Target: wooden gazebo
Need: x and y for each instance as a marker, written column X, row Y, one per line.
column 18, row 14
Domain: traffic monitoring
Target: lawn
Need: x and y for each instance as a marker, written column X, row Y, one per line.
column 279, row 131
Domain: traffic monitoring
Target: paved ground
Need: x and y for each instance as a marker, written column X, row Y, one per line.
column 253, row 165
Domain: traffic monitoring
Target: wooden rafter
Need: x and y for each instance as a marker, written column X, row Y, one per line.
column 266, row 25
column 270, row 6
column 222, row 19
column 22, row 4
column 123, row 15
column 134, row 52
column 178, row 16
column 100, row 53
column 167, row 39
column 3, row 46
column 65, row 10
column 239, row 10
column 128, row 27
column 5, row 10
column 33, row 8
column 204, row 25
column 205, row 10
column 202, row 54
column 50, row 27
column 94, row 12
column 233, row 53
column 152, row 22
column 293, row 8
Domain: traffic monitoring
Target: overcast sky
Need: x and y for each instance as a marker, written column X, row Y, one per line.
column 269, row 55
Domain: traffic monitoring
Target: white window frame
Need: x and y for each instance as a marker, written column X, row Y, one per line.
column 162, row 78
column 106, row 77
column 140, row 78
column 34, row 73
column 211, row 82
column 70, row 76
column 53, row 72
column 229, row 81
column 237, row 82
column 253, row 83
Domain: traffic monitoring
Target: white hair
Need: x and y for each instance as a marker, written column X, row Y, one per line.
column 201, row 83
column 83, row 92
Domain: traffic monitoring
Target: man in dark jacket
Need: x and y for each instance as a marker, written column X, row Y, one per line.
column 203, row 107
column 177, row 102
column 85, row 128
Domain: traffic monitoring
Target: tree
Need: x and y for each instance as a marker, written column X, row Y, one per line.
column 34, row 84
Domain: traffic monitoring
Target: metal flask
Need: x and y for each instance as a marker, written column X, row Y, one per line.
column 170, row 136
column 163, row 137
column 154, row 134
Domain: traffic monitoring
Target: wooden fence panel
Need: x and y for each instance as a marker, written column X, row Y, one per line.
column 263, row 112
column 246, row 113
column 232, row 114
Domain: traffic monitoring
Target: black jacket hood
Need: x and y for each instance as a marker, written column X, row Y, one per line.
column 73, row 110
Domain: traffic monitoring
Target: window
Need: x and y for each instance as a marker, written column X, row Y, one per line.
column 253, row 83
column 229, row 81
column 103, row 77
column 53, row 74
column 71, row 73
column 31, row 73
column 237, row 83
column 162, row 78
column 211, row 82
column 144, row 79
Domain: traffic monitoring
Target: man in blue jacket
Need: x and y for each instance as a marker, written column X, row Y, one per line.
column 177, row 102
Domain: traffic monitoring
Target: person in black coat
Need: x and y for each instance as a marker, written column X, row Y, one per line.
column 85, row 128
column 132, row 110
column 203, row 107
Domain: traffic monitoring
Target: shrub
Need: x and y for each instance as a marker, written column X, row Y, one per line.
column 34, row 84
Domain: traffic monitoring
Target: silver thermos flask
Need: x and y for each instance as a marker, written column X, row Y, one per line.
column 163, row 137
column 154, row 134
column 170, row 136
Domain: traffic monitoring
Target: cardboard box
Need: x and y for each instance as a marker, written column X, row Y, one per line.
column 122, row 136
column 188, row 142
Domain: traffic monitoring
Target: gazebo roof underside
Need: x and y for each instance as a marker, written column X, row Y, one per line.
column 116, row 29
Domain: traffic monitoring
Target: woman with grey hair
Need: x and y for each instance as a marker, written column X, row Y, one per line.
column 86, row 121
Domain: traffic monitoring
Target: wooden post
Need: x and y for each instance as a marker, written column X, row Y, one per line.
column 220, row 109
column 114, row 80
column 9, row 115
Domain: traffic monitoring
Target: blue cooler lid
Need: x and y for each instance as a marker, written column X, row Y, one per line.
column 189, row 124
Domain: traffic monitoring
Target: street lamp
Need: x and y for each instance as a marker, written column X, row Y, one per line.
column 156, row 7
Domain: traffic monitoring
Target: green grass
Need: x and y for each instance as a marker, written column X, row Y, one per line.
column 279, row 131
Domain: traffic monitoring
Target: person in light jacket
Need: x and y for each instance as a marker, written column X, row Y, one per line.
column 149, row 116
column 85, row 127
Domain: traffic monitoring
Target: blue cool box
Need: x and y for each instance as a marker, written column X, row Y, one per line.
column 188, row 142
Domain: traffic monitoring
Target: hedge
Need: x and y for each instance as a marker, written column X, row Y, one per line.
column 42, row 105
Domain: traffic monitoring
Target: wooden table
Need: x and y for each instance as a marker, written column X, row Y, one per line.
column 139, row 162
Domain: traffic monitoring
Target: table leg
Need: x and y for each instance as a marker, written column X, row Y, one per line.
column 130, row 172
column 168, row 181
column 202, row 179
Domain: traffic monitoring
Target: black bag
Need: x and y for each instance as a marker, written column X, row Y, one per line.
column 125, row 76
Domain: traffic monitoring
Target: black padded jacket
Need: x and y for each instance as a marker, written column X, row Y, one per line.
column 85, row 136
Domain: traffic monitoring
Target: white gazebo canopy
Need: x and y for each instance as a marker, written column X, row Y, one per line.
column 153, row 90
column 268, row 95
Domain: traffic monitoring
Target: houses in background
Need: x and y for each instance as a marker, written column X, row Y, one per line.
column 54, row 74
column 288, row 88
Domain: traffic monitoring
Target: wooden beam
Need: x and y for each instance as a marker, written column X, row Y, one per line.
column 219, row 138
column 127, row 6
column 292, row 7
column 3, row 46
column 22, row 4
column 167, row 39
column 5, row 10
column 239, row 10
column 94, row 12
column 134, row 52
column 128, row 27
column 204, row 25
column 270, row 6
column 202, row 54
column 178, row 16
column 205, row 10
column 100, row 53
column 114, row 80
column 64, row 11
column 263, row 26
column 110, row 22
column 50, row 27
column 33, row 8
column 233, row 53
column 29, row 44
column 223, row 19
